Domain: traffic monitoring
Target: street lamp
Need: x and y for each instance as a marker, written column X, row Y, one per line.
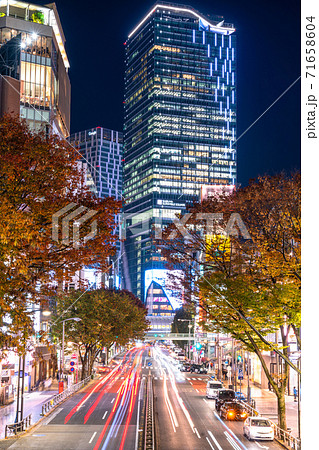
column 189, row 335
column 76, row 319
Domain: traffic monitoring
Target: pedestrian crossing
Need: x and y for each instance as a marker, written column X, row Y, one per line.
column 186, row 379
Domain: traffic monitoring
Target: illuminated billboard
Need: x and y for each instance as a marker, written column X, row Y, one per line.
column 213, row 190
column 170, row 281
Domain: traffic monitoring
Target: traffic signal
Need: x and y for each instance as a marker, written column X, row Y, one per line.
column 239, row 358
column 198, row 346
column 72, row 363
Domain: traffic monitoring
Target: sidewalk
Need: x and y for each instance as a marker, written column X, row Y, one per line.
column 266, row 404
column 32, row 403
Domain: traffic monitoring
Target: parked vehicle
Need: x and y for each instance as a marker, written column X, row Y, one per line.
column 212, row 388
column 258, row 428
column 241, row 396
column 233, row 411
column 224, row 395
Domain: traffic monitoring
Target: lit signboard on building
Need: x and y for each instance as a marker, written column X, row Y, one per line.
column 172, row 286
column 214, row 190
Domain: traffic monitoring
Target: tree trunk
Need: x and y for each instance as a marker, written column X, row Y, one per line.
column 84, row 364
column 279, row 387
column 281, row 405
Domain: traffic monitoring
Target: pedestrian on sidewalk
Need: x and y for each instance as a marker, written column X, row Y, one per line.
column 295, row 393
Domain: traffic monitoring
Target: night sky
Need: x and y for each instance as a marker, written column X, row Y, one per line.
column 268, row 61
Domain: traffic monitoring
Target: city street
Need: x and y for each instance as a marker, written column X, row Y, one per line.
column 106, row 413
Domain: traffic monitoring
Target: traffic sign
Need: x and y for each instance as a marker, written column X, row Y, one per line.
column 240, row 374
column 149, row 363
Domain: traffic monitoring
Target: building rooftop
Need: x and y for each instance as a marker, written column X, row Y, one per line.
column 215, row 24
column 44, row 15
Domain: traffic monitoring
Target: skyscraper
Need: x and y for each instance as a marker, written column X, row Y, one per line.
column 102, row 151
column 180, row 124
column 34, row 81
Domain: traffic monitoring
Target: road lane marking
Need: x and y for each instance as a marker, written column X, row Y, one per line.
column 261, row 446
column 191, row 382
column 113, row 400
column 195, row 429
column 231, row 441
column 214, row 439
column 104, row 415
column 53, row 415
column 197, row 390
column 211, row 445
column 140, row 396
column 230, row 431
column 205, row 400
column 93, row 436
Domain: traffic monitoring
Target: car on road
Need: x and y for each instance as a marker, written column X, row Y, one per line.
column 212, row 388
column 233, row 411
column 185, row 367
column 181, row 356
column 198, row 368
column 224, row 395
column 240, row 396
column 258, row 428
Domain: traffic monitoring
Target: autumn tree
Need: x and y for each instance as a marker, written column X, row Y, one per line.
column 39, row 176
column 241, row 254
column 107, row 317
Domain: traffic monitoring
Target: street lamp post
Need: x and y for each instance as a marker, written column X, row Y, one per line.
column 76, row 319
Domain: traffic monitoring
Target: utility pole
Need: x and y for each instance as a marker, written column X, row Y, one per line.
column 20, row 389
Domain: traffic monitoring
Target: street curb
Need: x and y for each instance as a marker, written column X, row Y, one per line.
column 38, row 422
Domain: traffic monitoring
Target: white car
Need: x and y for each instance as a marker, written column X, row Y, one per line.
column 258, row 428
column 212, row 388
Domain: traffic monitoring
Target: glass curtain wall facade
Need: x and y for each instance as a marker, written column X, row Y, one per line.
column 43, row 64
column 102, row 151
column 180, row 123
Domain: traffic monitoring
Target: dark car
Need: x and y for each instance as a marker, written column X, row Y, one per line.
column 198, row 368
column 224, row 395
column 233, row 411
column 185, row 367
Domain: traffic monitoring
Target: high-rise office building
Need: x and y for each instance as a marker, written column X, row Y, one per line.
column 102, row 151
column 180, row 124
column 34, row 81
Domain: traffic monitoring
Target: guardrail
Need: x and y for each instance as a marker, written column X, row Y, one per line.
column 149, row 429
column 18, row 427
column 47, row 406
column 285, row 437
